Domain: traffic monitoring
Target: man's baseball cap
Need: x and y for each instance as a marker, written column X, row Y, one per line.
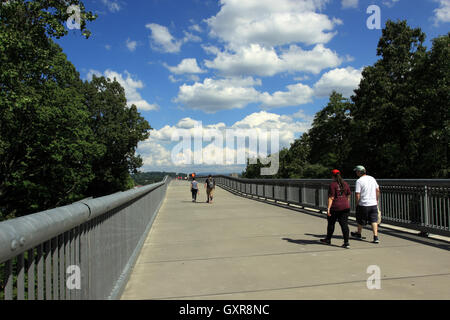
column 360, row 169
column 335, row 172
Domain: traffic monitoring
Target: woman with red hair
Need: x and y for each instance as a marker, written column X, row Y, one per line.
column 338, row 208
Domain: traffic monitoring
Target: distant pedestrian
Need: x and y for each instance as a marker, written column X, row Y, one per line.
column 194, row 189
column 210, row 185
column 367, row 193
column 338, row 208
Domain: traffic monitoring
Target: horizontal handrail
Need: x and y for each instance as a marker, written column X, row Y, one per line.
column 415, row 182
column 23, row 233
column 100, row 236
column 419, row 204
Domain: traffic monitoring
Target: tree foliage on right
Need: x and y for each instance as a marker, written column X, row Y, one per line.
column 397, row 122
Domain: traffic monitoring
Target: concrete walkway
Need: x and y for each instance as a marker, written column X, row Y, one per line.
column 238, row 248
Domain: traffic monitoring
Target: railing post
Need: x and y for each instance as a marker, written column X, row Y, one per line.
column 426, row 206
column 264, row 190
column 303, row 195
column 286, row 193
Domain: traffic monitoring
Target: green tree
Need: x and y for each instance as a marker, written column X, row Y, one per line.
column 45, row 144
column 118, row 129
column 433, row 95
column 297, row 157
column 329, row 136
column 253, row 171
column 387, row 117
column 48, row 16
column 397, row 123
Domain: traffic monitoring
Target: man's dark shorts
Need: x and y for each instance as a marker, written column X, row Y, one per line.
column 366, row 215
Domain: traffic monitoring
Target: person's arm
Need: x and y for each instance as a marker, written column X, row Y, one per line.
column 330, row 202
column 349, row 195
column 357, row 198
column 378, row 195
column 357, row 192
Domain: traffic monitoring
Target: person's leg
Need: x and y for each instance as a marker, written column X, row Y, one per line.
column 375, row 229
column 195, row 194
column 207, row 195
column 211, row 195
column 330, row 228
column 373, row 219
column 360, row 220
column 331, row 224
column 343, row 221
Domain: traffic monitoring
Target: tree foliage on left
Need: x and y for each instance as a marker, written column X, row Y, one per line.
column 118, row 129
column 50, row 146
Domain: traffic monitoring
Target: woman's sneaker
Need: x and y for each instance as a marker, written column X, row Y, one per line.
column 346, row 246
column 375, row 239
column 326, row 241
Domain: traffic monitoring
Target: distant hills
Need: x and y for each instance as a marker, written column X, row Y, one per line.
column 144, row 178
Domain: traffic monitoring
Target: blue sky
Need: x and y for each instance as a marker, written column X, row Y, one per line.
column 254, row 64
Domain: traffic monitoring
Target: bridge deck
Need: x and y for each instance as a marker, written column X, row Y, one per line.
column 243, row 249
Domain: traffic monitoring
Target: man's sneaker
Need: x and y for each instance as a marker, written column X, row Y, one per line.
column 326, row 241
column 356, row 235
column 375, row 239
column 346, row 246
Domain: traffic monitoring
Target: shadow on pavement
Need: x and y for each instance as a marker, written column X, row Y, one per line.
column 309, row 242
column 319, row 236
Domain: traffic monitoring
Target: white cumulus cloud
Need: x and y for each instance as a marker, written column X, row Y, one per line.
column 350, row 3
column 162, row 40
column 186, row 66
column 262, row 61
column 131, row 45
column 112, row 5
column 296, row 94
column 157, row 150
column 343, row 80
column 271, row 23
column 442, row 14
column 215, row 95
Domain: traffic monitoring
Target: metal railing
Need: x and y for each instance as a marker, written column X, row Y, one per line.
column 85, row 250
column 421, row 205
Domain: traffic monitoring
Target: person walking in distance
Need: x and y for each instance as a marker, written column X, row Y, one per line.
column 194, row 189
column 338, row 208
column 367, row 193
column 210, row 186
